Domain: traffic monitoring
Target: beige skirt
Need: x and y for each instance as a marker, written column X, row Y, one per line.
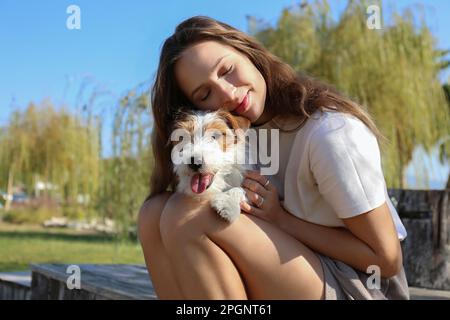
column 342, row 282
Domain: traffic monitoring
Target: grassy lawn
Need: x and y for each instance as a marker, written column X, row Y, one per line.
column 21, row 245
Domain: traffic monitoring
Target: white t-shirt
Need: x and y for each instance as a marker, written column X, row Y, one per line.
column 329, row 169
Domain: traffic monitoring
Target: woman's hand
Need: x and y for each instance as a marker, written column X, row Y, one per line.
column 263, row 197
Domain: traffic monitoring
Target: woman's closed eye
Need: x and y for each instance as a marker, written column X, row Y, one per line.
column 227, row 71
column 206, row 96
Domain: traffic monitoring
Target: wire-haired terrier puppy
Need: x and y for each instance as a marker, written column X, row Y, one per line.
column 209, row 160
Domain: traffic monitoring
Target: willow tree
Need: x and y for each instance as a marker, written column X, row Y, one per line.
column 393, row 72
column 125, row 175
column 15, row 156
column 51, row 145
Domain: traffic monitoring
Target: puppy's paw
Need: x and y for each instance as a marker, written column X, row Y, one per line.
column 237, row 194
column 227, row 207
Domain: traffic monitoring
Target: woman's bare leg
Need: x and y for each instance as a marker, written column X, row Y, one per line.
column 271, row 263
column 162, row 272
column 203, row 269
column 156, row 258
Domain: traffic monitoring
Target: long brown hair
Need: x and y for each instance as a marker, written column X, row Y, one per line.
column 287, row 91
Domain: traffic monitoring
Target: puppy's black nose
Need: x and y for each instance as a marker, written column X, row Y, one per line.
column 195, row 164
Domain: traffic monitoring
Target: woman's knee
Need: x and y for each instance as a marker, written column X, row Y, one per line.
column 183, row 219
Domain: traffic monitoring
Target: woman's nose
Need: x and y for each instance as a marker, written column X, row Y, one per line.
column 227, row 93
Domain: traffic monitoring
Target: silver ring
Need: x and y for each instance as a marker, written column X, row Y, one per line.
column 267, row 183
column 259, row 205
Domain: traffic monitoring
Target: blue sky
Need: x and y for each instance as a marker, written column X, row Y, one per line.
column 119, row 41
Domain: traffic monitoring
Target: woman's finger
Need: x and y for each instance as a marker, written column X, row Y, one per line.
column 264, row 181
column 251, row 209
column 254, row 186
column 253, row 196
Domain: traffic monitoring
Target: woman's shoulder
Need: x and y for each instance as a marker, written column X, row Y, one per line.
column 337, row 133
column 326, row 125
column 335, row 123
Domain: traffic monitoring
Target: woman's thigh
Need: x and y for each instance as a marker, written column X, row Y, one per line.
column 156, row 258
column 273, row 264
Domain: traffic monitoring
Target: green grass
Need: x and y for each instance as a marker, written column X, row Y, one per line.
column 22, row 245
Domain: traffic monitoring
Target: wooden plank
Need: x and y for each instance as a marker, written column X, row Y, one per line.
column 23, row 278
column 104, row 281
column 15, row 285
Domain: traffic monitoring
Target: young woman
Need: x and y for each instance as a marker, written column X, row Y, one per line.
column 323, row 227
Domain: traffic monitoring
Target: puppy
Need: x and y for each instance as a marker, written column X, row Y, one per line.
column 211, row 158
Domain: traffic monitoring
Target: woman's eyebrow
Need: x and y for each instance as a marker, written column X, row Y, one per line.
column 214, row 67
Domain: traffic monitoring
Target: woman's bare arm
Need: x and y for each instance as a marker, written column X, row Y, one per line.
column 369, row 239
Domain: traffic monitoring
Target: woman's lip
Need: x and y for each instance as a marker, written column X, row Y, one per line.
column 243, row 105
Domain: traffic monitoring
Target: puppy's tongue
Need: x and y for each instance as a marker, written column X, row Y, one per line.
column 200, row 182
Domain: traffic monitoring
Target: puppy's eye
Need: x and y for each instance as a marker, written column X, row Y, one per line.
column 216, row 136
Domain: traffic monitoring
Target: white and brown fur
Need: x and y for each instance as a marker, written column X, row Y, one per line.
column 211, row 151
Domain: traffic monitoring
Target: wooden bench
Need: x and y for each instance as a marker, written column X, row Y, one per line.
column 107, row 282
column 98, row 282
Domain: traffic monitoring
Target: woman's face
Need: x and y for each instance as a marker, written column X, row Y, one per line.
column 213, row 76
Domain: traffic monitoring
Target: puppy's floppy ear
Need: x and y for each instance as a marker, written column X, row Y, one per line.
column 238, row 124
column 235, row 122
column 182, row 119
column 242, row 123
